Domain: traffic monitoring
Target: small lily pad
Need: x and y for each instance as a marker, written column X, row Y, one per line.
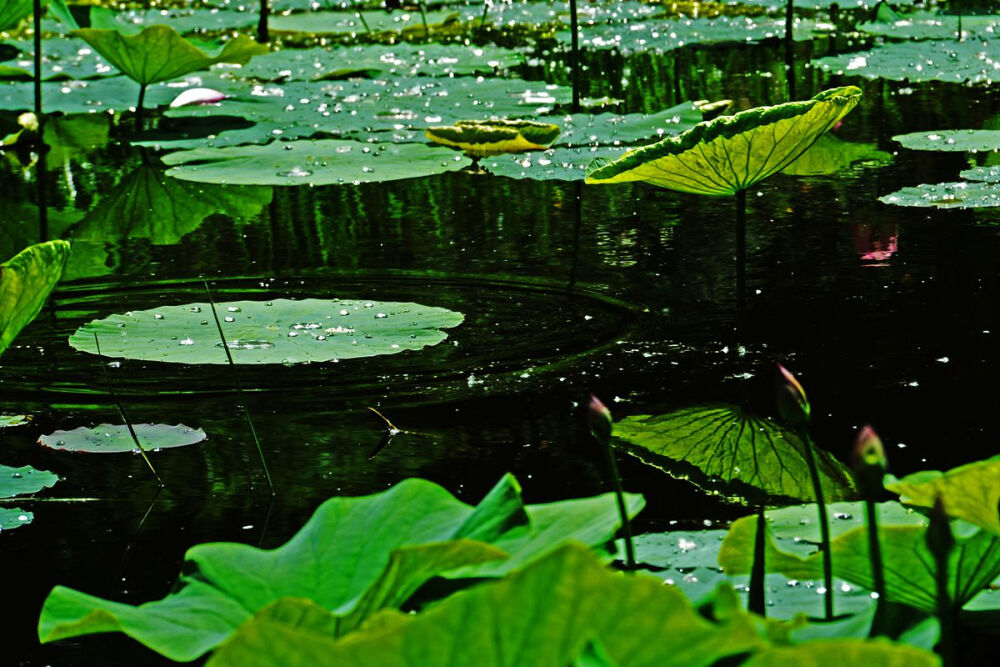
column 268, row 332
column 6, row 421
column 115, row 438
column 960, row 194
column 969, row 62
column 929, row 25
column 493, row 137
column 555, row 164
column 19, row 481
column 955, row 141
column 14, row 517
column 321, row 162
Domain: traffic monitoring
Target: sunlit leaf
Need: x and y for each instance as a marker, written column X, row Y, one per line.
column 7, row 421
column 730, row 153
column 116, row 439
column 12, row 12
column 970, row 492
column 493, row 137
column 14, row 517
column 839, row 652
column 25, row 283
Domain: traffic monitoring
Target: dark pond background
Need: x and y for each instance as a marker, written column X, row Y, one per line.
column 625, row 291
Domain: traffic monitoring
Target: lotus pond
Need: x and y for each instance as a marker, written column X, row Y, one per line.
column 301, row 315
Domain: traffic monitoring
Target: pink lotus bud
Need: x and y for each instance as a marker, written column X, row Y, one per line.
column 868, row 451
column 793, row 406
column 197, row 96
column 599, row 419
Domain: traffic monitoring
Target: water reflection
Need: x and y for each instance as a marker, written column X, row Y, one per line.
column 876, row 243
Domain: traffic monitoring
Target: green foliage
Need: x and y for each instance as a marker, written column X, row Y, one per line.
column 955, row 141
column 492, row 137
column 830, row 156
column 12, row 12
column 970, row 492
column 19, row 481
column 25, row 282
column 116, row 439
column 837, row 652
column 968, row 62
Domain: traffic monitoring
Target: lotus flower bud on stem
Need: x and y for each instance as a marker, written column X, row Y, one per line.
column 599, row 419
column 869, row 462
column 793, row 406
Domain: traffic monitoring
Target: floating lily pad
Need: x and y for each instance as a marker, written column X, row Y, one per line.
column 321, row 162
column 62, row 58
column 613, row 129
column 982, row 174
column 333, row 23
column 14, row 517
column 183, row 20
column 971, row 62
column 494, row 137
column 830, row 155
column 268, row 332
column 929, row 25
column 23, row 480
column 959, row 195
column 725, row 450
column 7, row 421
column 956, row 141
column 116, row 439
column 555, row 164
column 25, row 284
column 112, row 93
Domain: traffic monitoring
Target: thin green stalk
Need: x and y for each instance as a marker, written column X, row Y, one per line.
column 239, row 389
column 941, row 542
column 486, row 9
column 124, row 416
column 741, row 251
column 263, row 34
column 574, row 56
column 423, row 17
column 755, row 603
column 138, row 107
column 875, row 557
column 622, row 510
column 790, row 48
column 824, row 525
column 364, row 23
column 37, row 42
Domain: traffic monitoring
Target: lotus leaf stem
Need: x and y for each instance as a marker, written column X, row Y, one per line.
column 741, row 251
column 755, row 603
column 364, row 22
column 423, row 17
column 574, row 55
column 263, row 34
column 37, row 43
column 875, row 557
column 622, row 510
column 138, row 107
column 824, row 525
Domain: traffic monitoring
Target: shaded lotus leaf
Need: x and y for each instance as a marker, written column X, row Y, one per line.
column 958, row 141
column 147, row 204
column 116, row 438
column 62, row 58
column 159, row 53
column 830, row 155
column 727, row 451
column 268, row 332
column 25, row 282
column 970, row 492
column 574, row 601
column 969, row 62
column 12, row 12
column 14, row 517
column 111, row 93
column 7, row 421
column 19, row 481
column 612, row 129
column 73, row 137
column 730, row 153
column 839, row 652
column 909, row 572
column 961, row 194
column 554, row 164
column 774, row 5
column 183, row 20
column 352, row 558
column 929, row 25
column 319, row 162
column 398, row 59
column 493, row 137
column 333, row 23
column 982, row 174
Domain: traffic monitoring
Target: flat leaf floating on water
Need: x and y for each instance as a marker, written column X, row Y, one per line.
column 968, row 63
column 957, row 195
column 7, row 421
column 727, row 451
column 494, row 137
column 280, row 331
column 116, row 439
column 730, row 153
column 930, row 25
column 970, row 492
column 320, row 162
column 554, row 164
column 24, row 480
column 955, row 141
column 25, row 282
column 354, row 557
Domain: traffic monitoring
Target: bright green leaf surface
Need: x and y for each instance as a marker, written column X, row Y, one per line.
column 577, row 601
column 25, row 283
column 731, row 153
column 840, row 652
column 352, row 557
column 159, row 53
column 268, row 332
column 612, row 129
column 7, row 421
column 14, row 517
column 970, row 492
column 12, row 11
column 493, row 137
column 115, row 439
column 830, row 156
column 959, row 141
column 19, row 481
column 725, row 450
column 323, row 22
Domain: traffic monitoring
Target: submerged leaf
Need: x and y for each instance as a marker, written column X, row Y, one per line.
column 493, row 137
column 268, row 332
column 730, row 153
column 725, row 450
column 116, row 439
column 25, row 283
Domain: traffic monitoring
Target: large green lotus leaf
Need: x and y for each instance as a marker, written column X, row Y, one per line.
column 62, row 58
column 268, row 332
column 839, row 652
column 14, row 517
column 398, row 59
column 19, row 481
column 983, row 174
column 159, row 53
column 970, row 492
column 959, row 141
column 147, row 204
column 725, row 450
column 959, row 195
column 112, row 93
column 354, row 556
column 116, row 438
column 543, row 615
column 7, row 421
column 969, row 62
column 731, row 153
column 183, row 20
column 25, row 283
column 12, row 11
column 931, row 25
column 909, row 565
column 332, row 23
column 554, row 164
column 830, row 155
column 320, row 162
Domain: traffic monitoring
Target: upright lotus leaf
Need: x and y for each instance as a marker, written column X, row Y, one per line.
column 25, row 283
column 839, row 652
column 493, row 137
column 353, row 557
column 729, row 154
column 543, row 616
column 909, row 571
column 13, row 11
column 970, row 492
column 725, row 450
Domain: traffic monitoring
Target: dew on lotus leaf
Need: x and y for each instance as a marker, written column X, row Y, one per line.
column 234, row 309
column 292, row 334
column 295, row 172
column 380, row 316
column 792, row 583
column 320, row 337
column 245, row 344
column 369, row 304
column 17, row 475
column 843, row 516
column 114, row 364
column 306, row 325
column 23, row 517
column 229, row 318
column 195, row 309
column 186, row 341
column 157, row 316
column 121, row 325
column 60, row 443
column 343, row 311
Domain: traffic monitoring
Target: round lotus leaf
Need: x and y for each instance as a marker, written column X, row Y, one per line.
column 116, row 438
column 322, row 162
column 959, row 141
column 13, row 420
column 730, row 153
column 947, row 195
column 19, row 481
column 493, row 137
column 282, row 331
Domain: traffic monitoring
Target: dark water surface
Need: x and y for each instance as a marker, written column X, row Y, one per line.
column 888, row 315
